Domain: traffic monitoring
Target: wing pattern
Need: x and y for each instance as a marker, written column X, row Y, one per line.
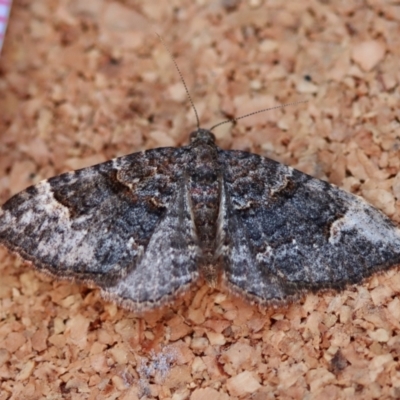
column 283, row 232
column 107, row 222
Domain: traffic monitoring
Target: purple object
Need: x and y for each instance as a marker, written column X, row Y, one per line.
column 5, row 7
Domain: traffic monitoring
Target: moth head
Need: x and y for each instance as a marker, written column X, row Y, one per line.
column 203, row 136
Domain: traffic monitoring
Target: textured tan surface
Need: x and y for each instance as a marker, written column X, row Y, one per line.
column 84, row 81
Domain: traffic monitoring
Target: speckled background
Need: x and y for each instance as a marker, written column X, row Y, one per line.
column 84, row 81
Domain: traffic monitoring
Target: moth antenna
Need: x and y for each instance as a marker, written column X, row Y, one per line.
column 183, row 81
column 256, row 112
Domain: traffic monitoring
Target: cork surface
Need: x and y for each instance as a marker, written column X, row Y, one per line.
column 82, row 82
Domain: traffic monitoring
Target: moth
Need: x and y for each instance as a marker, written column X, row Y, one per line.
column 146, row 226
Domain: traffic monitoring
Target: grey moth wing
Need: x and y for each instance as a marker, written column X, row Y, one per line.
column 108, row 223
column 284, row 232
